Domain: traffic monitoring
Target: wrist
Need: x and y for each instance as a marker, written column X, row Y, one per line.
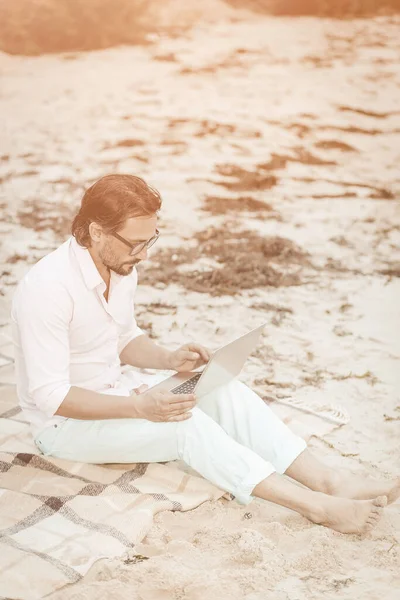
column 135, row 406
column 166, row 361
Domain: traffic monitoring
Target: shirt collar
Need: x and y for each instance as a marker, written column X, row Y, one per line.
column 89, row 270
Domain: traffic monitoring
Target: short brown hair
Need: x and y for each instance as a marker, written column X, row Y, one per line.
column 111, row 201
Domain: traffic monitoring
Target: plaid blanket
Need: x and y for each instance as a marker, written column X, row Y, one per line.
column 58, row 517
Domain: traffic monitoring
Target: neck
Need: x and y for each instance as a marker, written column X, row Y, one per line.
column 102, row 269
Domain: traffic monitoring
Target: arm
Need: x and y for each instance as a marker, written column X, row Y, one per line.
column 85, row 404
column 142, row 352
column 138, row 350
column 43, row 311
column 159, row 406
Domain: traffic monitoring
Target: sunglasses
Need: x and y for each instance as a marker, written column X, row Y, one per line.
column 136, row 248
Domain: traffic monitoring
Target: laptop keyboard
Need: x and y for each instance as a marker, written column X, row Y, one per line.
column 188, row 386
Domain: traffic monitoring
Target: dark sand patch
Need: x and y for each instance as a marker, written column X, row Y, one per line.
column 9, row 176
column 177, row 144
column 357, row 130
column 41, row 216
column 244, row 180
column 267, row 307
column 114, row 162
column 246, row 261
column 127, row 143
column 204, row 127
column 277, row 161
column 319, row 61
column 391, row 271
column 378, row 192
column 145, row 312
column 335, row 145
column 168, row 57
column 367, row 113
column 300, row 129
column 331, row 196
column 340, row 240
column 17, row 258
column 147, row 326
column 280, row 312
column 301, row 155
column 217, row 205
column 235, row 59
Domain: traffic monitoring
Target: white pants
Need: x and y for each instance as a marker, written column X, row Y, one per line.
column 233, row 440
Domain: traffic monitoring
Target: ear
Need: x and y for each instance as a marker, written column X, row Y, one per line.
column 95, row 232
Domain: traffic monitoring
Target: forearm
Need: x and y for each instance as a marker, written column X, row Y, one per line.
column 85, row 404
column 143, row 353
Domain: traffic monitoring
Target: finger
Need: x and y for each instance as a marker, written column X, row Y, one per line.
column 181, row 417
column 178, row 414
column 180, row 409
column 187, row 355
column 205, row 354
column 201, row 350
column 179, row 398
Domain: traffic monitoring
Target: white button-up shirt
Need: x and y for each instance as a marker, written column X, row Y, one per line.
column 66, row 334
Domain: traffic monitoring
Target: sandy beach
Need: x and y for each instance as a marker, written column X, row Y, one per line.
column 275, row 145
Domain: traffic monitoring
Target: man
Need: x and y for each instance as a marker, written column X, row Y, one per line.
column 73, row 325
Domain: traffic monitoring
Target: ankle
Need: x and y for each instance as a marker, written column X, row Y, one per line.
column 318, row 511
column 331, row 483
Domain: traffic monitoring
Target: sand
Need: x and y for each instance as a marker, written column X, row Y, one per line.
column 295, row 125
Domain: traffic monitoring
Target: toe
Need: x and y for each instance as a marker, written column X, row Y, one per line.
column 375, row 510
column 380, row 501
column 373, row 519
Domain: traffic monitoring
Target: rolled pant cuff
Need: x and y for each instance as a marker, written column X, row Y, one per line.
column 286, row 458
column 243, row 491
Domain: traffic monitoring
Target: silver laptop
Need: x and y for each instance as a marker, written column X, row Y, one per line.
column 224, row 365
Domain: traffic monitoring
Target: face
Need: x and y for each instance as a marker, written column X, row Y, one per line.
column 114, row 254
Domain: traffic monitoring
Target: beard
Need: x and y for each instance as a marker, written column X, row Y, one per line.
column 112, row 263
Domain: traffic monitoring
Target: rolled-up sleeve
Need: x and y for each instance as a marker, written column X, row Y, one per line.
column 43, row 314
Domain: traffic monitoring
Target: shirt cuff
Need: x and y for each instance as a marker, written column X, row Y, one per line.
column 51, row 402
column 125, row 339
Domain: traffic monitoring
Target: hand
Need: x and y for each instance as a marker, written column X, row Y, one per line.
column 164, row 406
column 189, row 357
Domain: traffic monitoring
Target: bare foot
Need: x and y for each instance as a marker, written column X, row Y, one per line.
column 357, row 487
column 348, row 516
